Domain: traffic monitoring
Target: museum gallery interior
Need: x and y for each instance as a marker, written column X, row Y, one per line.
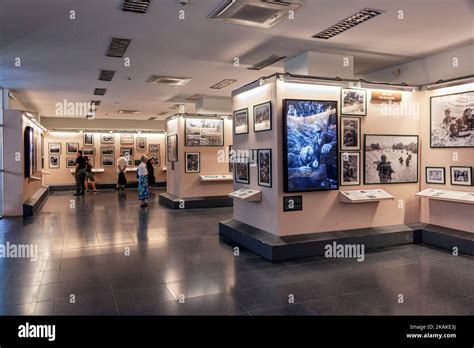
column 236, row 157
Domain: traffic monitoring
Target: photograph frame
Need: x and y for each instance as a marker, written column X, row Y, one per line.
column 85, row 153
column 451, row 168
column 87, row 137
column 173, row 158
column 102, row 148
column 187, row 141
column 243, row 163
column 270, row 173
column 127, row 139
column 103, row 141
column 342, row 101
column 54, row 153
column 233, row 121
column 427, row 181
column 154, row 152
column 359, row 137
column 186, row 154
column 269, row 103
column 102, row 158
column 138, row 142
column 128, row 149
column 71, row 152
column 359, row 169
column 71, row 164
column 58, row 166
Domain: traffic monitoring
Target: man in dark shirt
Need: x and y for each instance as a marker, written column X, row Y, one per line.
column 80, row 174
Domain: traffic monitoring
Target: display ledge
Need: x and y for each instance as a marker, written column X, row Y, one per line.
column 94, row 170
column 448, row 195
column 100, row 186
column 248, row 195
column 32, row 204
column 364, row 196
column 215, row 178
column 174, row 202
column 275, row 248
column 131, row 169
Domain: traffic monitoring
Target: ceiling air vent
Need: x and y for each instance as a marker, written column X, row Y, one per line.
column 175, row 106
column 117, row 47
column 223, row 83
column 96, row 102
column 162, row 113
column 100, row 91
column 348, row 23
column 138, row 6
column 106, row 75
column 266, row 62
column 195, row 97
column 256, row 13
column 128, row 112
column 168, row 80
column 152, row 118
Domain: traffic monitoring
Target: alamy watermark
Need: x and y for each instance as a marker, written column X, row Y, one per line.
column 345, row 251
column 68, row 108
column 19, row 251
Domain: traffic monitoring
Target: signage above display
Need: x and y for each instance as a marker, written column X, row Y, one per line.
column 385, row 96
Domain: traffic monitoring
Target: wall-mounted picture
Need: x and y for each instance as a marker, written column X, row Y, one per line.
column 54, row 161
column 154, row 149
column 452, row 120
column 107, row 150
column 204, row 132
column 231, row 158
column 353, row 101
column 91, row 161
column 127, row 151
column 107, row 161
column 172, row 148
column 350, row 133
column 310, row 145
column 54, row 148
column 461, row 176
column 262, row 117
column 131, row 161
column 157, row 161
column 391, row 159
column 193, row 164
column 127, row 139
column 70, row 162
column 136, row 162
column 72, row 148
column 350, row 168
column 88, row 139
column 107, row 138
column 141, row 143
column 264, row 167
column 435, row 175
column 241, row 121
column 88, row 152
column 242, row 172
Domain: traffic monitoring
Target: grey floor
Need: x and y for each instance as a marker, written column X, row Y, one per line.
column 103, row 255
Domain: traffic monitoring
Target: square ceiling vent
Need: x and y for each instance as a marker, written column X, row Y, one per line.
column 137, row 6
column 168, row 80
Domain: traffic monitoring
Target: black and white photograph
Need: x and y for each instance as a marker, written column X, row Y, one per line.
column 88, row 151
column 88, row 139
column 350, row 133
column 435, row 175
column 126, row 151
column 262, row 117
column 204, row 132
column 264, row 167
column 241, row 121
column 54, row 148
column 452, row 120
column 353, row 101
column 72, row 148
column 242, row 171
column 141, row 143
column 127, row 139
column 350, row 168
column 54, row 161
column 154, row 149
column 107, row 150
column 461, row 176
column 193, row 162
column 172, row 148
column 70, row 162
column 107, row 138
column 107, row 161
column 391, row 159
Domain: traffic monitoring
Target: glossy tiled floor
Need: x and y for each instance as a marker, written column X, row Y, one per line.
column 85, row 268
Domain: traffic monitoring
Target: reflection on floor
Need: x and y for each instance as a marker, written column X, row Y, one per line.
column 103, row 255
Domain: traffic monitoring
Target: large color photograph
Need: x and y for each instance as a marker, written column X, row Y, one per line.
column 311, row 144
column 204, row 132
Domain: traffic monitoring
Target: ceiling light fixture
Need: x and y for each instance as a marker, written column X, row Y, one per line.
column 168, row 80
column 266, row 62
column 222, row 84
column 128, row 112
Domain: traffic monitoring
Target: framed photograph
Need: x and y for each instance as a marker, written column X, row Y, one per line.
column 350, row 133
column 127, row 139
column 107, row 150
column 136, row 162
column 193, row 162
column 435, row 175
column 461, row 176
column 91, row 161
column 172, row 148
column 154, row 149
column 88, row 152
column 107, row 161
column 390, row 159
column 157, row 161
column 54, row 148
column 54, row 161
column 264, row 167
column 70, row 162
column 141, row 143
column 130, row 161
column 350, row 168
column 204, row 132
column 72, row 148
column 241, row 121
column 262, row 117
column 310, row 154
column 127, row 151
column 107, row 138
column 242, row 172
column 353, row 101
column 88, row 139
column 452, row 120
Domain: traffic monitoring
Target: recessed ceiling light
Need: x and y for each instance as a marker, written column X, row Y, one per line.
column 100, row 91
column 223, row 83
column 117, row 47
column 266, row 62
column 128, row 112
column 106, row 75
column 168, row 80
column 138, row 6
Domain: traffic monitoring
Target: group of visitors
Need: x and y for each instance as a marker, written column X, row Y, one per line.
column 145, row 176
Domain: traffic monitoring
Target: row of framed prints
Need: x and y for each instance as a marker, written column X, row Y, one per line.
column 107, row 138
column 261, row 158
column 460, row 175
column 72, row 148
column 105, row 161
column 262, row 119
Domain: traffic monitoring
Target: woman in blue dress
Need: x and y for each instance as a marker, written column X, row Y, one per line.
column 142, row 174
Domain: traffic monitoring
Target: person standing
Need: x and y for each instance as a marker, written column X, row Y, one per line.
column 142, row 174
column 89, row 175
column 80, row 175
column 122, row 164
column 151, row 172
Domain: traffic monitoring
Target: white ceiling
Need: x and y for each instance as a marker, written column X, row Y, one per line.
column 61, row 58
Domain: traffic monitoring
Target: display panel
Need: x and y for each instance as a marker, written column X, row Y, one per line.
column 391, row 159
column 311, row 145
column 172, row 147
column 452, row 120
column 193, row 164
column 204, row 132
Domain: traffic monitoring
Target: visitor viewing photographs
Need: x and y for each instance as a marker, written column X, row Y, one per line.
column 204, row 132
column 350, row 168
column 350, row 133
column 264, row 167
column 192, row 162
column 262, row 116
column 461, row 176
column 354, row 101
column 391, row 159
column 241, row 121
column 435, row 175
